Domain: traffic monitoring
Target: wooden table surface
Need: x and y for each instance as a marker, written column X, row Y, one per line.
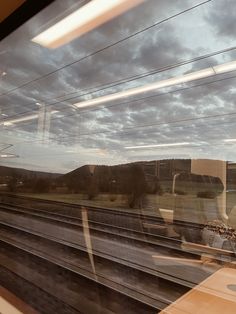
column 10, row 304
column 215, row 295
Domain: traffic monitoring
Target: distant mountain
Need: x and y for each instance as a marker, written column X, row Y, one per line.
column 137, row 177
column 19, row 172
column 163, row 168
column 78, row 172
column 118, row 178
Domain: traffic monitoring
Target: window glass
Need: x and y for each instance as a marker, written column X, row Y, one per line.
column 118, row 163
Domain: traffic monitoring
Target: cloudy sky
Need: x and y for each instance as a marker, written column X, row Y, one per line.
column 157, row 40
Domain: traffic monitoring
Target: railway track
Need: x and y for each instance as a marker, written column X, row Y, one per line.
column 123, row 234
column 119, row 259
column 135, row 283
column 114, row 249
column 119, row 217
column 76, row 292
column 140, row 238
column 34, row 295
column 141, row 224
column 139, row 289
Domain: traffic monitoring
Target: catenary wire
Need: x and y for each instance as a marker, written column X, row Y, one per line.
column 107, row 47
column 154, row 124
column 118, row 82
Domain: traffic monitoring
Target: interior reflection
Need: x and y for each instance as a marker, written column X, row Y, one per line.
column 117, row 159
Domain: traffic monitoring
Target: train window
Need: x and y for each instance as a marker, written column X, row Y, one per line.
column 117, row 158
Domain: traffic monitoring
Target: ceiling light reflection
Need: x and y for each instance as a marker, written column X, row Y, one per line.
column 158, row 145
column 8, row 156
column 208, row 72
column 9, row 122
column 83, row 20
column 147, row 88
column 230, row 140
column 225, row 67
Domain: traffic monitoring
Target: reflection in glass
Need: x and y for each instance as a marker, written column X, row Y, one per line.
column 120, row 193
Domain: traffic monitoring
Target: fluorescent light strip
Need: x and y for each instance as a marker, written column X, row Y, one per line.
column 8, row 156
column 219, row 69
column 8, row 122
column 230, row 140
column 146, row 88
column 158, row 145
column 12, row 121
column 85, row 19
column 225, row 67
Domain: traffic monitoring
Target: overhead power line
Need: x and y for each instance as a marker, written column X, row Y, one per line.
column 147, row 98
column 106, row 47
column 167, row 123
column 121, row 81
